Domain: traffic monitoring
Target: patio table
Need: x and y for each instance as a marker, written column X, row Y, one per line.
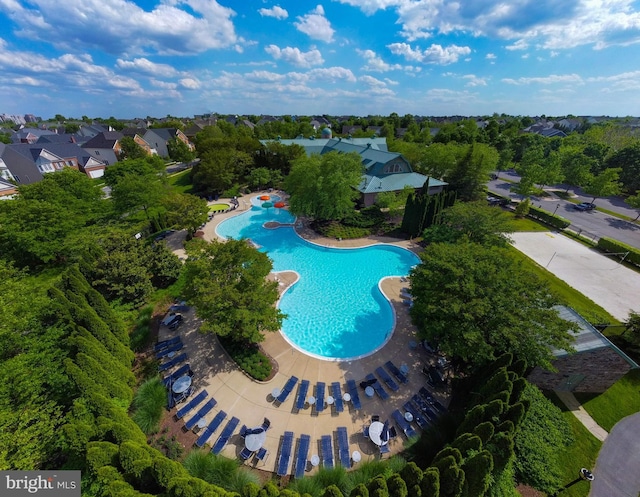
column 182, row 384
column 369, row 391
column 375, row 432
column 254, row 441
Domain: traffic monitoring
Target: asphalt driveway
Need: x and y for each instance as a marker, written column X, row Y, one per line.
column 617, row 470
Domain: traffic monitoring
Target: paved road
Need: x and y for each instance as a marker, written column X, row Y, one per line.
column 617, row 470
column 592, row 223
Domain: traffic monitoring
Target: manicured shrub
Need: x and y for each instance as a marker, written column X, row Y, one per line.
column 516, row 392
column 331, row 491
column 360, row 490
column 164, row 469
column 550, row 219
column 484, row 431
column 498, row 382
column 519, row 367
column 494, row 409
column 473, row 418
column 477, row 470
column 515, row 414
column 430, row 484
column 100, row 454
column 412, row 475
column 467, row 442
column 452, row 477
column 448, row 452
column 250, row 490
column 377, row 483
column 269, row 490
column 397, row 486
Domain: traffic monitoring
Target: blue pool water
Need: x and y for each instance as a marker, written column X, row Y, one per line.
column 335, row 310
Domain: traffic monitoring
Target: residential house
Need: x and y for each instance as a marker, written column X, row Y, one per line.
column 30, row 135
column 384, row 171
column 595, row 365
column 136, row 134
column 105, row 146
column 349, row 129
column 7, row 190
column 158, row 138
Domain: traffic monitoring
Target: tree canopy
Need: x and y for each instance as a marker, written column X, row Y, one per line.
column 226, row 283
column 477, row 302
column 324, row 186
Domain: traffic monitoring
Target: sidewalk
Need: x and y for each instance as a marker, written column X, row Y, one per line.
column 569, row 400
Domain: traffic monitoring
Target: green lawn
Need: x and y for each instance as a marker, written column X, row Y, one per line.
column 582, row 453
column 181, row 181
column 567, row 294
column 526, row 224
column 619, row 401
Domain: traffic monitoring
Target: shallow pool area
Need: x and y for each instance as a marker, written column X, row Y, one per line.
column 336, row 310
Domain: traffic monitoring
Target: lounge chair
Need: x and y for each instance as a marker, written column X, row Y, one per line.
column 375, row 418
column 225, row 435
column 165, row 343
column 262, row 454
column 417, row 416
column 191, row 404
column 181, row 371
column 353, row 391
column 173, row 362
column 285, row 453
column 291, row 382
column 172, row 348
column 266, row 424
column 343, row 447
column 424, row 407
column 392, row 432
column 337, row 396
column 403, row 424
column 320, row 396
column 212, row 427
column 365, row 431
column 377, row 386
column 303, row 452
column 384, row 449
column 429, row 398
column 396, row 372
column 302, row 394
column 202, row 412
column 327, row 451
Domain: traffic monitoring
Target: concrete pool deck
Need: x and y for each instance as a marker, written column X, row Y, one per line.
column 251, row 401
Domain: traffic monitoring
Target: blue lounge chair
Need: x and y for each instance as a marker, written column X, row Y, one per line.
column 202, row 412
column 417, row 416
column 343, row 447
column 302, row 394
column 165, row 343
column 384, row 449
column 353, row 391
column 424, row 407
column 213, row 426
column 365, row 431
column 285, row 453
column 176, row 360
column 402, row 378
column 303, row 452
column 262, row 454
column 403, row 424
column 191, row 404
column 320, row 396
column 288, row 387
column 377, row 386
column 337, row 396
column 387, row 379
column 225, row 435
column 429, row 398
column 172, row 348
column 181, row 371
column 327, row 451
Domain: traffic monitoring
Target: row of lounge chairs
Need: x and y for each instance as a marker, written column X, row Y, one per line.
column 173, row 362
column 302, row 454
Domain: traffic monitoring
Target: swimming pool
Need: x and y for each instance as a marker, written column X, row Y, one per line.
column 336, row 309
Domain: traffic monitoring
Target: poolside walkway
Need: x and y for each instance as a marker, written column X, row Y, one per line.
column 251, row 401
column 569, row 400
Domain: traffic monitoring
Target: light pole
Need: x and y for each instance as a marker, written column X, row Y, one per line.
column 583, row 475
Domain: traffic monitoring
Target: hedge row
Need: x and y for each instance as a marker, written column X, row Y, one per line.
column 615, row 247
column 550, row 219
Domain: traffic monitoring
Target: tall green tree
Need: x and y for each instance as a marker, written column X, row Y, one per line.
column 634, row 201
column 324, row 186
column 227, row 285
column 185, row 211
column 469, row 176
column 604, row 184
column 179, row 151
column 477, row 302
column 131, row 150
column 628, row 161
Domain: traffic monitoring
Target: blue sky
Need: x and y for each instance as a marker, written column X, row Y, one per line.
column 137, row 58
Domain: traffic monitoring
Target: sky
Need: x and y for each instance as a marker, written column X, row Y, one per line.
column 138, row 58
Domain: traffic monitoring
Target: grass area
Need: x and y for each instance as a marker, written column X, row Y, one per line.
column 218, row 207
column 527, row 224
column 619, row 401
column 181, row 181
column 582, row 453
column 568, row 295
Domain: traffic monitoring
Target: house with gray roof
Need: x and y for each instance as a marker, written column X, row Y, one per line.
column 384, row 171
column 158, row 138
column 105, row 146
column 594, row 366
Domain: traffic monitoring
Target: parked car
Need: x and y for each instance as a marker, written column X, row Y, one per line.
column 584, row 206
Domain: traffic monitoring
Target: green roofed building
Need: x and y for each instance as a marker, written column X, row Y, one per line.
column 384, row 171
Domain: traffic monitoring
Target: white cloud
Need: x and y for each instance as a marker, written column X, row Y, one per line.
column 315, row 25
column 375, row 62
column 473, row 80
column 491, row 56
column 121, row 26
column 435, row 54
column 371, row 81
column 275, row 11
column 190, row 83
column 295, row 56
column 518, row 45
column 163, row 84
column 145, row 66
column 547, row 80
column 371, row 6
